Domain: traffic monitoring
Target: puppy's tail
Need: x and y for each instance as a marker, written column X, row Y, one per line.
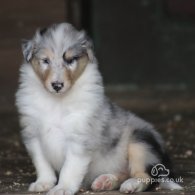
column 170, row 185
column 164, row 172
column 169, row 180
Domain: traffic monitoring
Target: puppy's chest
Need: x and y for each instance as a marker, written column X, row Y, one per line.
column 58, row 131
column 54, row 145
column 55, row 139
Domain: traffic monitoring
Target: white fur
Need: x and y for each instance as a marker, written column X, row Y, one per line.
column 171, row 185
column 133, row 185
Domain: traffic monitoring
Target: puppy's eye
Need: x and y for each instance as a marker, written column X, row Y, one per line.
column 46, row 61
column 69, row 61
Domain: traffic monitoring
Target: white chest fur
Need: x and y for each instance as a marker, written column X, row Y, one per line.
column 57, row 127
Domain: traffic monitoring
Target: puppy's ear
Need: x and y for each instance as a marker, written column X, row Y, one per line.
column 28, row 45
column 27, row 49
column 85, row 40
column 87, row 44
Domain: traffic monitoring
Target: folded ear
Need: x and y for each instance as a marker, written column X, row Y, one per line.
column 87, row 44
column 29, row 45
column 27, row 49
column 85, row 40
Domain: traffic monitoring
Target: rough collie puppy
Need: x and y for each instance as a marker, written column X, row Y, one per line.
column 71, row 129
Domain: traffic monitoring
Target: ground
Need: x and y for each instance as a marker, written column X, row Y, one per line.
column 171, row 111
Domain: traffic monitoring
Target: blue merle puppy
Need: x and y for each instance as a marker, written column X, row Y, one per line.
column 70, row 128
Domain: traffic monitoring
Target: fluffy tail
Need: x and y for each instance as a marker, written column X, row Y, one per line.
column 165, row 174
column 170, row 185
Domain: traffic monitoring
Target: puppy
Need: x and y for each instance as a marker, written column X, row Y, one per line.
column 70, row 128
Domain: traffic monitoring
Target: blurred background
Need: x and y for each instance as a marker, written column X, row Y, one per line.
column 137, row 42
column 146, row 53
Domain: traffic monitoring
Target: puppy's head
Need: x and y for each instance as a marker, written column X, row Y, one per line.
column 59, row 55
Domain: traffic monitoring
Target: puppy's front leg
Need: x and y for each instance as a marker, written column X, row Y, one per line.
column 71, row 174
column 46, row 178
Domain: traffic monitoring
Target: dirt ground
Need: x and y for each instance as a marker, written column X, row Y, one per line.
column 171, row 111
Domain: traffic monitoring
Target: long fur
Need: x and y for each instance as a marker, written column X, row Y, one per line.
column 74, row 129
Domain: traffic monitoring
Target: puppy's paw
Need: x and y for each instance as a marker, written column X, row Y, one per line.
column 59, row 190
column 105, row 182
column 41, row 186
column 132, row 185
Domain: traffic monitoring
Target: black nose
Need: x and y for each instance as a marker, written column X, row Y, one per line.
column 57, row 86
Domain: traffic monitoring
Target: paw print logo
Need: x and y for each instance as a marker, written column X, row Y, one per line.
column 159, row 170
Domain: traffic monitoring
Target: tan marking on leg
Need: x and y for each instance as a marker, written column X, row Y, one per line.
column 137, row 155
column 138, row 158
column 122, row 176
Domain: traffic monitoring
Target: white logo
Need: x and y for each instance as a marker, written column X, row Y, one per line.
column 159, row 170
column 160, row 174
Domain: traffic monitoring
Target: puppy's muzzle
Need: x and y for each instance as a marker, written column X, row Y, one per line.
column 57, row 86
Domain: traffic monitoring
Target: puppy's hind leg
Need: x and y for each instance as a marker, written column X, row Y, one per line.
column 139, row 155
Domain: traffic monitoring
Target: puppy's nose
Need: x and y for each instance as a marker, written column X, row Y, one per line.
column 57, row 86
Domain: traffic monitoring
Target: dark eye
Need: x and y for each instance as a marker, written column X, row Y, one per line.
column 46, row 61
column 71, row 60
